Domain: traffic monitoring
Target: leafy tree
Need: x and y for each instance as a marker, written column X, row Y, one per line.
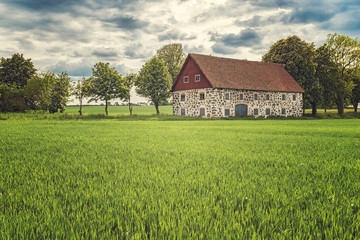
column 345, row 53
column 298, row 58
column 60, row 92
column 80, row 91
column 16, row 70
column 173, row 57
column 355, row 96
column 11, row 99
column 105, row 84
column 326, row 73
column 154, row 82
column 37, row 91
column 129, row 82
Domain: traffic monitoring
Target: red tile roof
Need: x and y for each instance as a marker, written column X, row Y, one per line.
column 246, row 75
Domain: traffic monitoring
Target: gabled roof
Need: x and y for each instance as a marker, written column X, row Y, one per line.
column 243, row 74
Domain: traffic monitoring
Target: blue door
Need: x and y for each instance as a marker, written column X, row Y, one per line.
column 241, row 110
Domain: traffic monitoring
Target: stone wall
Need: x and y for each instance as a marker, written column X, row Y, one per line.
column 215, row 102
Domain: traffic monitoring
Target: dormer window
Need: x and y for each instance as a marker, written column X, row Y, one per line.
column 186, row 79
column 197, row 78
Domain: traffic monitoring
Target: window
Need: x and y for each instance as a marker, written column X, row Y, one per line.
column 202, row 96
column 227, row 96
column 283, row 97
column 256, row 111
column 227, row 112
column 202, row 111
column 268, row 111
column 186, row 79
column 182, row 97
column 294, row 97
column 283, row 111
column 182, row 112
column 241, row 96
column 267, row 96
column 197, row 78
column 255, row 96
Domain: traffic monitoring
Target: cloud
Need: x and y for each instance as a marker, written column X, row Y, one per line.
column 246, row 38
column 136, row 51
column 81, row 68
column 221, row 48
column 45, row 5
column 105, row 52
column 127, row 23
column 175, row 35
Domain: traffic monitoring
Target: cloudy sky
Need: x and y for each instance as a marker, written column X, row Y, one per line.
column 73, row 35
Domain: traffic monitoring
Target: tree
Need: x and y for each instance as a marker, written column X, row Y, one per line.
column 11, row 99
column 345, row 54
column 129, row 83
column 326, row 73
column 80, row 91
column 154, row 82
column 173, row 57
column 60, row 92
column 298, row 58
column 105, row 84
column 37, row 91
column 355, row 96
column 16, row 70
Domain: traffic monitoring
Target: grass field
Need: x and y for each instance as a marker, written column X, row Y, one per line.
column 180, row 179
column 120, row 110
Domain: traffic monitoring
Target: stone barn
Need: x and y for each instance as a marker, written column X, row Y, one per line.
column 216, row 87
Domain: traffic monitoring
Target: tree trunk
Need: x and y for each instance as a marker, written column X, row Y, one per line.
column 106, row 108
column 340, row 104
column 314, row 110
column 130, row 108
column 325, row 110
column 355, row 107
column 80, row 110
column 157, row 108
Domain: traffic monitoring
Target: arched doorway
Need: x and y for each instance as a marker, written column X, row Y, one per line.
column 240, row 110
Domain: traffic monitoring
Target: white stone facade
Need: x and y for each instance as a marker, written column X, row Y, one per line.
column 222, row 103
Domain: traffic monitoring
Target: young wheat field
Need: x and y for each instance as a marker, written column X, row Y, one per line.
column 110, row 179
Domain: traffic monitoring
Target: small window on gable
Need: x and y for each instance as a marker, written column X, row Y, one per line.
column 294, row 97
column 283, row 97
column 202, row 112
column 202, row 96
column 267, row 96
column 268, row 111
column 255, row 96
column 283, row 111
column 182, row 97
column 182, row 112
column 227, row 112
column 241, row 96
column 227, row 96
column 186, row 79
column 256, row 111
column 197, row 78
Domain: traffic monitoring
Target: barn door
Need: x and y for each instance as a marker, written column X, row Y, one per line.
column 241, row 110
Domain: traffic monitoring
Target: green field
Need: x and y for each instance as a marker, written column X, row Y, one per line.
column 120, row 110
column 219, row 179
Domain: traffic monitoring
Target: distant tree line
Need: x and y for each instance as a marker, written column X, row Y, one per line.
column 22, row 88
column 329, row 74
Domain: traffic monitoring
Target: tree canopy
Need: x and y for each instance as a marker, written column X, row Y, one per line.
column 298, row 59
column 154, row 82
column 105, row 84
column 173, row 57
column 16, row 70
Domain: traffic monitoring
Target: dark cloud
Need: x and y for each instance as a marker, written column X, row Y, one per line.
column 45, row 5
column 272, row 3
column 105, row 52
column 223, row 49
column 127, row 23
column 175, row 35
column 246, row 38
